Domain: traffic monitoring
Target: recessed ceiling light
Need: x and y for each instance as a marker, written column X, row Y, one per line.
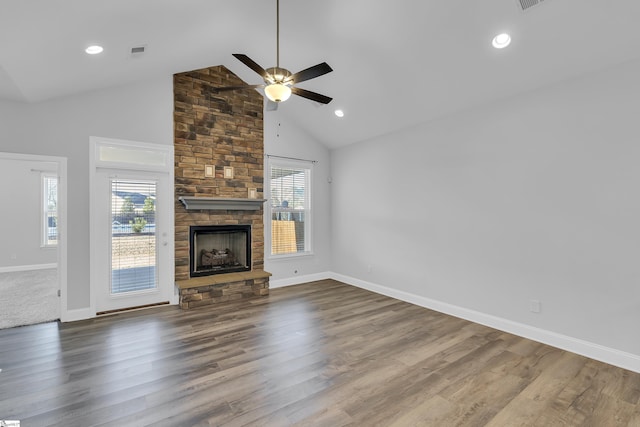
column 501, row 41
column 339, row 113
column 94, row 50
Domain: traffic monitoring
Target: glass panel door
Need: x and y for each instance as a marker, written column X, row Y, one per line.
column 132, row 248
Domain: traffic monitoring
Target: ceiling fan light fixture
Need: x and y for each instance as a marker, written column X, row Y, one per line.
column 277, row 92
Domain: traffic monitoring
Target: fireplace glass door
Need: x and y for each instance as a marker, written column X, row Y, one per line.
column 217, row 249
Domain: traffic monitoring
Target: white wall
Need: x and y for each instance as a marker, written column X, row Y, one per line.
column 535, row 197
column 12, row 123
column 62, row 127
column 284, row 138
column 20, row 226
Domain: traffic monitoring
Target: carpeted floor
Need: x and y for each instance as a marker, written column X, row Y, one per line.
column 28, row 297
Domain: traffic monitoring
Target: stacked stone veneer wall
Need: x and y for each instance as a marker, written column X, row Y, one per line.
column 222, row 288
column 218, row 129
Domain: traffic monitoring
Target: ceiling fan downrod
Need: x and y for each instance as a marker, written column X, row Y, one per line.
column 277, row 33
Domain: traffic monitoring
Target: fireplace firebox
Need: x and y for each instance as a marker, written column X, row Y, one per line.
column 217, row 249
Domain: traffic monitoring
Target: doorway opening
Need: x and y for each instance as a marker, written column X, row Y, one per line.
column 32, row 256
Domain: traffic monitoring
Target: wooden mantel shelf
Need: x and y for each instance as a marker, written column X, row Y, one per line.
column 214, row 203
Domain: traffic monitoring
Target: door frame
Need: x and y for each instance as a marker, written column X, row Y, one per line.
column 122, row 156
column 61, row 225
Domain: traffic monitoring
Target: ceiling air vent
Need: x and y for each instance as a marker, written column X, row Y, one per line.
column 526, row 4
column 138, row 50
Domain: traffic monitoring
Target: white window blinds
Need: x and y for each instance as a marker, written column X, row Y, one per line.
column 49, row 210
column 133, row 239
column 290, row 209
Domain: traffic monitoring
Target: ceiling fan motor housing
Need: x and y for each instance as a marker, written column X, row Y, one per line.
column 278, row 75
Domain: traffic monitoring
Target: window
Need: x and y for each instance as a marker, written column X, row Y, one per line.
column 49, row 210
column 133, row 235
column 289, row 185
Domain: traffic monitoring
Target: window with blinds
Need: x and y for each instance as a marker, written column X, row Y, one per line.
column 133, row 238
column 290, row 205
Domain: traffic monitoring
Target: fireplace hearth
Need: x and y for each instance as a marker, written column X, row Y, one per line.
column 219, row 249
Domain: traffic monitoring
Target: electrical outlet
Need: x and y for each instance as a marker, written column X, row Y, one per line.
column 14, row 256
column 369, row 268
column 535, row 306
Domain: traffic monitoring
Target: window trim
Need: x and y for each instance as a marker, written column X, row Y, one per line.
column 296, row 164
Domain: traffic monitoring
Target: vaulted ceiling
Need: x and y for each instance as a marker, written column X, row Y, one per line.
column 396, row 63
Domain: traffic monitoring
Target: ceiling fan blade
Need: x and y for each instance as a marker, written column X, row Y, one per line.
column 252, row 64
column 311, row 95
column 228, row 88
column 311, row 73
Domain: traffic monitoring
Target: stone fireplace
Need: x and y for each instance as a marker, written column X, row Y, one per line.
column 219, row 156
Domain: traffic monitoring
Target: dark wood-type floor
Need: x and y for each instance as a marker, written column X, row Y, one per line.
column 320, row 354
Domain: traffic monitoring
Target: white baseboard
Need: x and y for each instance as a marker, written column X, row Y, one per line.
column 77, row 314
column 585, row 348
column 281, row 283
column 17, row 268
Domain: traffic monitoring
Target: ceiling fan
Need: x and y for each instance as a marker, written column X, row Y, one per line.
column 279, row 83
